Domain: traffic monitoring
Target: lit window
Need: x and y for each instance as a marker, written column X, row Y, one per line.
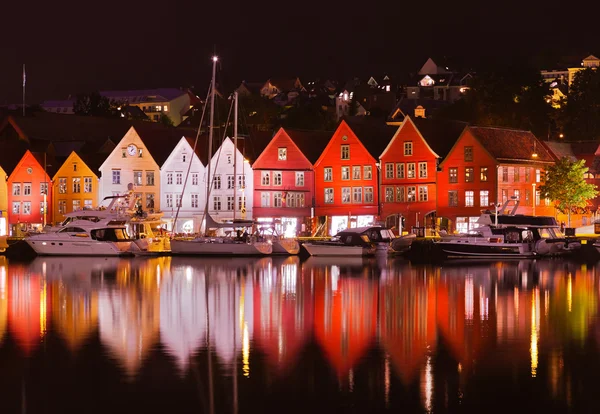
column 484, row 198
column 137, row 178
column 345, row 195
column 16, row 189
column 87, row 204
column 328, row 195
column 412, row 194
column 469, row 202
column 483, row 174
column 76, row 205
column 345, row 173
column 367, row 172
column 538, row 176
column 158, row 108
column 77, row 185
column 299, row 179
column 265, row 199
column 453, row 175
column 469, row 175
column 345, row 152
column 410, row 170
column 356, row 172
column 166, row 108
column 282, row 154
column 62, row 185
column 328, row 174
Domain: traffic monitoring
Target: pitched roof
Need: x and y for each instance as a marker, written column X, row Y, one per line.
column 158, row 139
column 511, row 144
column 311, row 143
column 560, row 149
column 11, row 154
column 284, row 84
column 145, row 95
column 374, row 134
column 440, row 134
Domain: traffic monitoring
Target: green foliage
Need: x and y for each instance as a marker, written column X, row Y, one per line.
column 565, row 185
column 580, row 117
column 504, row 96
column 94, row 104
column 165, row 120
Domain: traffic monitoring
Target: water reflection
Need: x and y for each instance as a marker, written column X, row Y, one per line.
column 243, row 334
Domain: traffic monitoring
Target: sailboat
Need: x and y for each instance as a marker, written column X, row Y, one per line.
column 242, row 245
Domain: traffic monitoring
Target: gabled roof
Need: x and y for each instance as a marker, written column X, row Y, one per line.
column 145, row 95
column 374, row 134
column 285, row 84
column 160, row 142
column 440, row 134
column 560, row 149
column 311, row 143
column 511, row 145
column 11, row 154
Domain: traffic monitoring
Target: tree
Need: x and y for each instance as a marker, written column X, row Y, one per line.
column 94, row 104
column 565, row 185
column 579, row 118
column 165, row 120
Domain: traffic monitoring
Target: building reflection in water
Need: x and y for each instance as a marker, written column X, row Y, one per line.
column 3, row 297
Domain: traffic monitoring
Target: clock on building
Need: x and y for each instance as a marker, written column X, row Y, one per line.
column 131, row 150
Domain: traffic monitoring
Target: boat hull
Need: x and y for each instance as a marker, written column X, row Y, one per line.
column 63, row 247
column 211, row 248
column 337, row 250
column 482, row 250
column 159, row 246
column 286, row 246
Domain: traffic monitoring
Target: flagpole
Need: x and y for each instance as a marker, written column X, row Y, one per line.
column 24, row 80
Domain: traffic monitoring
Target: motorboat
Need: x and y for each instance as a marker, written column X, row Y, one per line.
column 149, row 237
column 359, row 241
column 505, row 234
column 85, row 238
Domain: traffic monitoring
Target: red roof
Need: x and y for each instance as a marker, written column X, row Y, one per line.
column 511, row 144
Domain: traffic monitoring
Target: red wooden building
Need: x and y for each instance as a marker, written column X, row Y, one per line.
column 488, row 166
column 29, row 190
column 284, row 182
column 346, row 175
column 408, row 170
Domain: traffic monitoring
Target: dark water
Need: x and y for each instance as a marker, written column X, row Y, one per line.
column 185, row 335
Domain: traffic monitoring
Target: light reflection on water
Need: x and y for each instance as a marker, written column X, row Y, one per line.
column 324, row 334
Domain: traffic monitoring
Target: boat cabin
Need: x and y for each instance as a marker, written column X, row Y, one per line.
column 364, row 236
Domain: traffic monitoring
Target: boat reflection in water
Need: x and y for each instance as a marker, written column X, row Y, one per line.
column 278, row 333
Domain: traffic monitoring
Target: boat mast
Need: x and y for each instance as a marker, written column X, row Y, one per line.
column 210, row 132
column 235, row 137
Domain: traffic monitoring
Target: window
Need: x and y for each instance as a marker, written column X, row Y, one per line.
column 194, row 178
column 412, row 194
column 124, row 152
column 62, row 185
column 367, row 172
column 216, row 203
column 400, row 170
column 400, row 194
column 265, row 178
column 389, row 170
column 277, row 199
column 527, row 197
column 516, row 174
column 538, row 176
column 183, row 156
column 140, row 153
column 517, row 194
column 87, row 184
column 194, row 203
column 345, row 173
column 527, row 174
column 356, row 172
column 74, row 166
column 216, row 182
column 166, row 108
column 408, row 148
column 504, row 174
column 230, row 202
column 116, row 176
column 87, row 204
column 453, row 198
column 357, row 194
column 537, row 198
column 422, row 170
column 62, row 206
column 241, row 181
column 468, row 154
column 230, row 182
column 149, row 177
column 26, row 189
column 328, row 174
column 345, row 195
column 76, row 185
column 410, row 170
column 76, row 205
column 484, row 198
column 169, row 178
column 16, row 189
column 368, row 194
column 228, row 158
column 295, row 200
column 328, row 195
column 483, row 174
column 453, row 175
column 42, row 207
column 469, row 175
column 43, row 188
column 242, row 203
column 389, row 194
column 27, row 207
column 282, row 154
column 16, row 207
column 177, row 200
column 265, row 199
column 469, row 195
column 150, row 200
column 345, row 152
column 504, row 195
column 299, row 179
column 423, row 193
column 170, row 200
column 277, row 178
column 179, row 179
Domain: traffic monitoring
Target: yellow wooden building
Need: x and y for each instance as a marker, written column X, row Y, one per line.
column 75, row 187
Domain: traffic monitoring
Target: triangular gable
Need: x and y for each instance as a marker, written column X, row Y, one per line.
column 342, row 124
column 429, row 68
column 372, row 81
column 227, row 141
column 19, row 164
column 407, row 118
column 458, row 141
column 126, row 138
column 182, row 142
column 73, row 156
column 276, row 137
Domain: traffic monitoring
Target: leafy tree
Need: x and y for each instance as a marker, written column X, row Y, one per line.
column 165, row 120
column 564, row 183
column 580, row 117
column 94, row 104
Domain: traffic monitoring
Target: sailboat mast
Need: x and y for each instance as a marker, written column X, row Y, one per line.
column 235, row 137
column 210, row 130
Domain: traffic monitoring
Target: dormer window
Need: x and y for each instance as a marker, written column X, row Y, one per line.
column 427, row 81
column 282, row 154
column 183, row 156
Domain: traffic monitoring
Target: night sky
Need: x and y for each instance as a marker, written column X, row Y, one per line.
column 73, row 46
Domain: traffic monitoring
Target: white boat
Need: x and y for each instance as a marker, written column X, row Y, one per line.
column 220, row 246
column 83, row 238
column 360, row 241
column 505, row 234
column 149, row 238
column 281, row 245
